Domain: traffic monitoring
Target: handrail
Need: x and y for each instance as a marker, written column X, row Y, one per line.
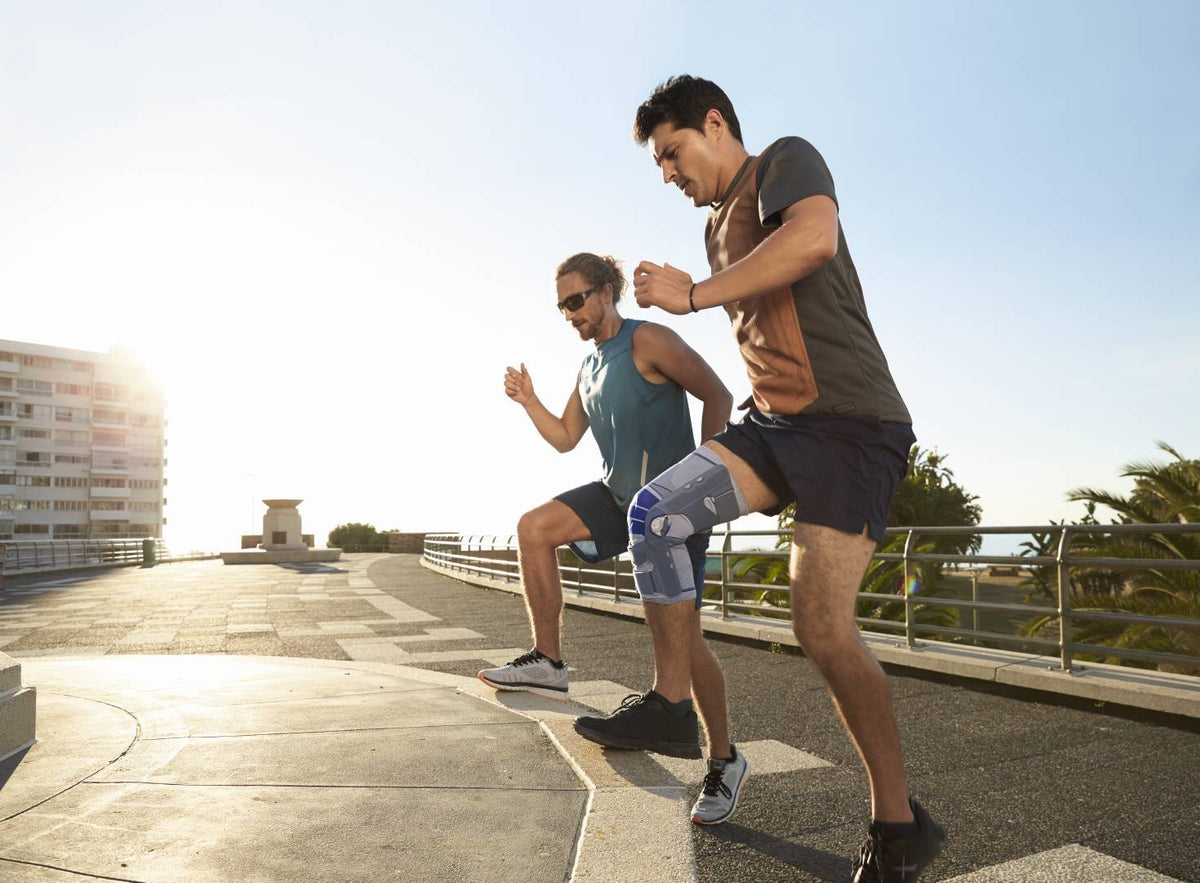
column 33, row 556
column 494, row 556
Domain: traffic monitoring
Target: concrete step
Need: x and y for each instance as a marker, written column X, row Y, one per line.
column 10, row 674
column 18, row 717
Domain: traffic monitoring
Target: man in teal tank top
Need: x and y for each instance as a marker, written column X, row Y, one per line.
column 632, row 395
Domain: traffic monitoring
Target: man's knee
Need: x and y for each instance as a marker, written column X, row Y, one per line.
column 539, row 527
column 823, row 637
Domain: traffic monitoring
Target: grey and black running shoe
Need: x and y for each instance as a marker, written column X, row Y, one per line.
column 643, row 723
column 883, row 859
column 532, row 672
column 719, row 793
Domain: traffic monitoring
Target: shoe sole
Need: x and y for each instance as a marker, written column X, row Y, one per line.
column 670, row 749
column 547, row 692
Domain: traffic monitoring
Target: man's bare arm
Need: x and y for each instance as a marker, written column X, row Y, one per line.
column 563, row 433
column 657, row 350
column 807, row 238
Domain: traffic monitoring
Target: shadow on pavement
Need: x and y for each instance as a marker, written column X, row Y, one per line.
column 822, row 865
column 9, row 765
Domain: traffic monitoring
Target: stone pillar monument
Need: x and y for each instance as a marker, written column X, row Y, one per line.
column 281, row 527
column 281, row 542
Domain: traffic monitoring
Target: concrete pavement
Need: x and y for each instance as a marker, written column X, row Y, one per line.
column 363, row 748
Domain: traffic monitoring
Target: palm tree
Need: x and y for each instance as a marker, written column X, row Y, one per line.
column 1164, row 493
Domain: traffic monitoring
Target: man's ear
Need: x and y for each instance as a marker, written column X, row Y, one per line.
column 714, row 123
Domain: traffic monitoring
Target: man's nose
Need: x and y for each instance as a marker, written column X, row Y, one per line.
column 668, row 171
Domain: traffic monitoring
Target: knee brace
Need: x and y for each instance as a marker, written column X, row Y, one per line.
column 693, row 495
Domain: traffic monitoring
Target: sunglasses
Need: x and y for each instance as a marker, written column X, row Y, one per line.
column 573, row 302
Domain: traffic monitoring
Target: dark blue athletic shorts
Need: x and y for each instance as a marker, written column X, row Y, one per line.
column 840, row 471
column 609, row 527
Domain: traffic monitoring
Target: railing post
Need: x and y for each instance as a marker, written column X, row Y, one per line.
column 975, row 599
column 726, row 547
column 910, row 632
column 616, row 577
column 1064, row 599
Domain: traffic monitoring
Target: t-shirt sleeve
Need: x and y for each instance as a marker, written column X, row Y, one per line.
column 790, row 170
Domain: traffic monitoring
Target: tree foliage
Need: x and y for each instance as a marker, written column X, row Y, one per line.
column 356, row 535
column 1164, row 493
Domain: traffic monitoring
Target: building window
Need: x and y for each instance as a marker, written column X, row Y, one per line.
column 31, row 528
column 26, row 411
column 108, row 482
column 8, row 478
column 20, row 505
column 72, row 389
column 26, row 432
column 72, row 438
column 35, row 387
column 107, row 415
column 37, row 362
column 33, row 481
column 139, row 506
column 66, row 531
column 70, row 481
column 111, row 392
column 70, row 505
column 143, row 484
column 109, row 505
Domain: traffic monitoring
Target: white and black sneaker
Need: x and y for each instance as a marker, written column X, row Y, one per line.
column 532, row 672
column 719, row 793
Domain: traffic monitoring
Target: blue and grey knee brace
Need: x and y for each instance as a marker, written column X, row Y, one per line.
column 691, row 496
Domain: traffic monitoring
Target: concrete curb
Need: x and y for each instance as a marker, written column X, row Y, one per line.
column 1131, row 687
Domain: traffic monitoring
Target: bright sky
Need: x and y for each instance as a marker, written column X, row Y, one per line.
column 329, row 227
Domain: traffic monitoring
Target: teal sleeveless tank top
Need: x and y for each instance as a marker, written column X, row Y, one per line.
column 641, row 428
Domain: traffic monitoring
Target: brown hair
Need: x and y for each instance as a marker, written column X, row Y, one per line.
column 597, row 270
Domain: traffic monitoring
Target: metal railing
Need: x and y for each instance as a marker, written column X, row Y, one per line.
column 31, row 556
column 495, row 556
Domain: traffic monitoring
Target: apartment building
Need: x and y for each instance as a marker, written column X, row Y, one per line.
column 82, row 445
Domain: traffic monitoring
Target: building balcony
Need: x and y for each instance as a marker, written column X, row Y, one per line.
column 8, row 393
column 35, row 464
column 109, row 470
column 109, row 424
column 110, row 515
column 8, row 415
column 110, row 493
column 7, row 367
column 99, row 446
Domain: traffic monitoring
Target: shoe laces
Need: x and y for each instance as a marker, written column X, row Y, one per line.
column 870, row 859
column 527, row 658
column 631, row 701
column 714, row 784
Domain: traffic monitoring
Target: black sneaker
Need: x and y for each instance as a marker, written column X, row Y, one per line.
column 883, row 859
column 643, row 723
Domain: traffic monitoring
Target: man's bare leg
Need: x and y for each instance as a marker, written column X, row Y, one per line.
column 825, row 584
column 827, row 567
column 540, row 532
column 671, row 628
column 708, row 689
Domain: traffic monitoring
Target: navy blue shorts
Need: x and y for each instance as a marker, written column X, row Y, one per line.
column 840, row 471
column 609, row 526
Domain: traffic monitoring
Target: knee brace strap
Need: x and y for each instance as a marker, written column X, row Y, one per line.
column 691, row 496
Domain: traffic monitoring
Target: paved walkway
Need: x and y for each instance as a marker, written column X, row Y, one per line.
column 372, row 753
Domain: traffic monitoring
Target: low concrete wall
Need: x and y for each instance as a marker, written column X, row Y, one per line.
column 407, row 543
column 1132, row 687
